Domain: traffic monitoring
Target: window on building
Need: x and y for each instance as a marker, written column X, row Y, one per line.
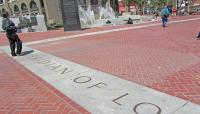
column 16, row 9
column 1, row 2
column 94, row 2
column 3, row 10
column 33, row 5
column 24, row 7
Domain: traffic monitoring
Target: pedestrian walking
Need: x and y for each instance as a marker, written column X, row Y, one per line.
column 11, row 32
column 174, row 11
column 156, row 15
column 164, row 15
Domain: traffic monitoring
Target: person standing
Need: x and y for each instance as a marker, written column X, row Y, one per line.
column 11, row 32
column 164, row 15
column 174, row 11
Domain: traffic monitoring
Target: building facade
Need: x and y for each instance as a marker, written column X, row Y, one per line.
column 49, row 8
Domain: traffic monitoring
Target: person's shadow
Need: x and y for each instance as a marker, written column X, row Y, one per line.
column 26, row 52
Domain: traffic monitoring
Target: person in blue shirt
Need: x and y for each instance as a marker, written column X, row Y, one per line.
column 169, row 9
column 11, row 32
column 164, row 15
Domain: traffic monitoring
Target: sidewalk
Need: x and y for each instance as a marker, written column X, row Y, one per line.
column 22, row 92
column 126, row 69
column 166, row 59
column 35, row 36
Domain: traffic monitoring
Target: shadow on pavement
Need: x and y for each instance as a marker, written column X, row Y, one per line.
column 26, row 52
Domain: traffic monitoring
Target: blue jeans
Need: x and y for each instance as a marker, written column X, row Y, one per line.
column 164, row 21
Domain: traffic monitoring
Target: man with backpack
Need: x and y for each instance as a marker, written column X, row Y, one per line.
column 164, row 15
column 11, row 33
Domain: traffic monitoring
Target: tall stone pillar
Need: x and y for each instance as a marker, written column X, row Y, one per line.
column 70, row 15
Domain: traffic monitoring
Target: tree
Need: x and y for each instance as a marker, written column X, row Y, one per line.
column 128, row 3
column 141, row 5
column 155, row 3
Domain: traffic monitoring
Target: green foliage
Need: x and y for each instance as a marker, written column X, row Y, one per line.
column 156, row 3
column 127, row 4
column 141, row 4
column 161, row 3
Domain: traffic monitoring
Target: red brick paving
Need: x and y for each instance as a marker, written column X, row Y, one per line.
column 163, row 60
column 21, row 92
column 27, row 37
column 166, row 59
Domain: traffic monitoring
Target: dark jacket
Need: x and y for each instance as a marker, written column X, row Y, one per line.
column 8, row 26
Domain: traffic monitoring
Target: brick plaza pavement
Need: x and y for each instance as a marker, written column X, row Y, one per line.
column 165, row 59
column 21, row 92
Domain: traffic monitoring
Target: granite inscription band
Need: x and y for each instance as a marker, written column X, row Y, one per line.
column 99, row 92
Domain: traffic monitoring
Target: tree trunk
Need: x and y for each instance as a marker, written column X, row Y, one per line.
column 129, row 8
column 136, row 7
column 126, row 7
column 143, row 8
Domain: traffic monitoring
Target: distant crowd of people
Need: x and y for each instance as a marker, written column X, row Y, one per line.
column 165, row 13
